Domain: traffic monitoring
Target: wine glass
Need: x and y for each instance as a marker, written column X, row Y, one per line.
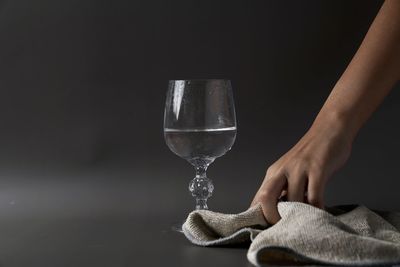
column 200, row 126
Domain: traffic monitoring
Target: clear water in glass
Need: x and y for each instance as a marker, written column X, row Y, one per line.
column 200, row 126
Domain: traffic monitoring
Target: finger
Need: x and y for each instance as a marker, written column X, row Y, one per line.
column 261, row 191
column 296, row 187
column 256, row 198
column 269, row 196
column 315, row 191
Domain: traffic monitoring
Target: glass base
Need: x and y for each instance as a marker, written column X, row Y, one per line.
column 201, row 204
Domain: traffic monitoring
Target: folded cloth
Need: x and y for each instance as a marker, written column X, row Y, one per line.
column 345, row 235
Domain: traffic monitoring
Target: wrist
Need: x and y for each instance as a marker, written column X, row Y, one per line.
column 335, row 124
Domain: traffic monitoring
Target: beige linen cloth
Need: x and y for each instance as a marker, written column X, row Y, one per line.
column 345, row 235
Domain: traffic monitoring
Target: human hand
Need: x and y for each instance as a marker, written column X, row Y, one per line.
column 302, row 173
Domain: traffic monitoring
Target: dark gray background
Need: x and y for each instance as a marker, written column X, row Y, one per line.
column 85, row 175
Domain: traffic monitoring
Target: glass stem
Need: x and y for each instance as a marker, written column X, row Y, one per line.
column 201, row 171
column 201, row 187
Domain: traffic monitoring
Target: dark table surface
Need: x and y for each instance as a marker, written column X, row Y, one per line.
column 109, row 217
column 97, row 219
column 93, row 239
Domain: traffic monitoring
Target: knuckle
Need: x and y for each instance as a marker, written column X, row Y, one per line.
column 318, row 179
column 305, row 163
column 271, row 170
column 297, row 164
column 296, row 177
column 316, row 168
column 265, row 195
column 298, row 167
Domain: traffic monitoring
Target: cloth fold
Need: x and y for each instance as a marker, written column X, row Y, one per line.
column 345, row 235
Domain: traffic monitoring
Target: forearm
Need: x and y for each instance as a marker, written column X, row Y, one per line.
column 302, row 173
column 373, row 71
